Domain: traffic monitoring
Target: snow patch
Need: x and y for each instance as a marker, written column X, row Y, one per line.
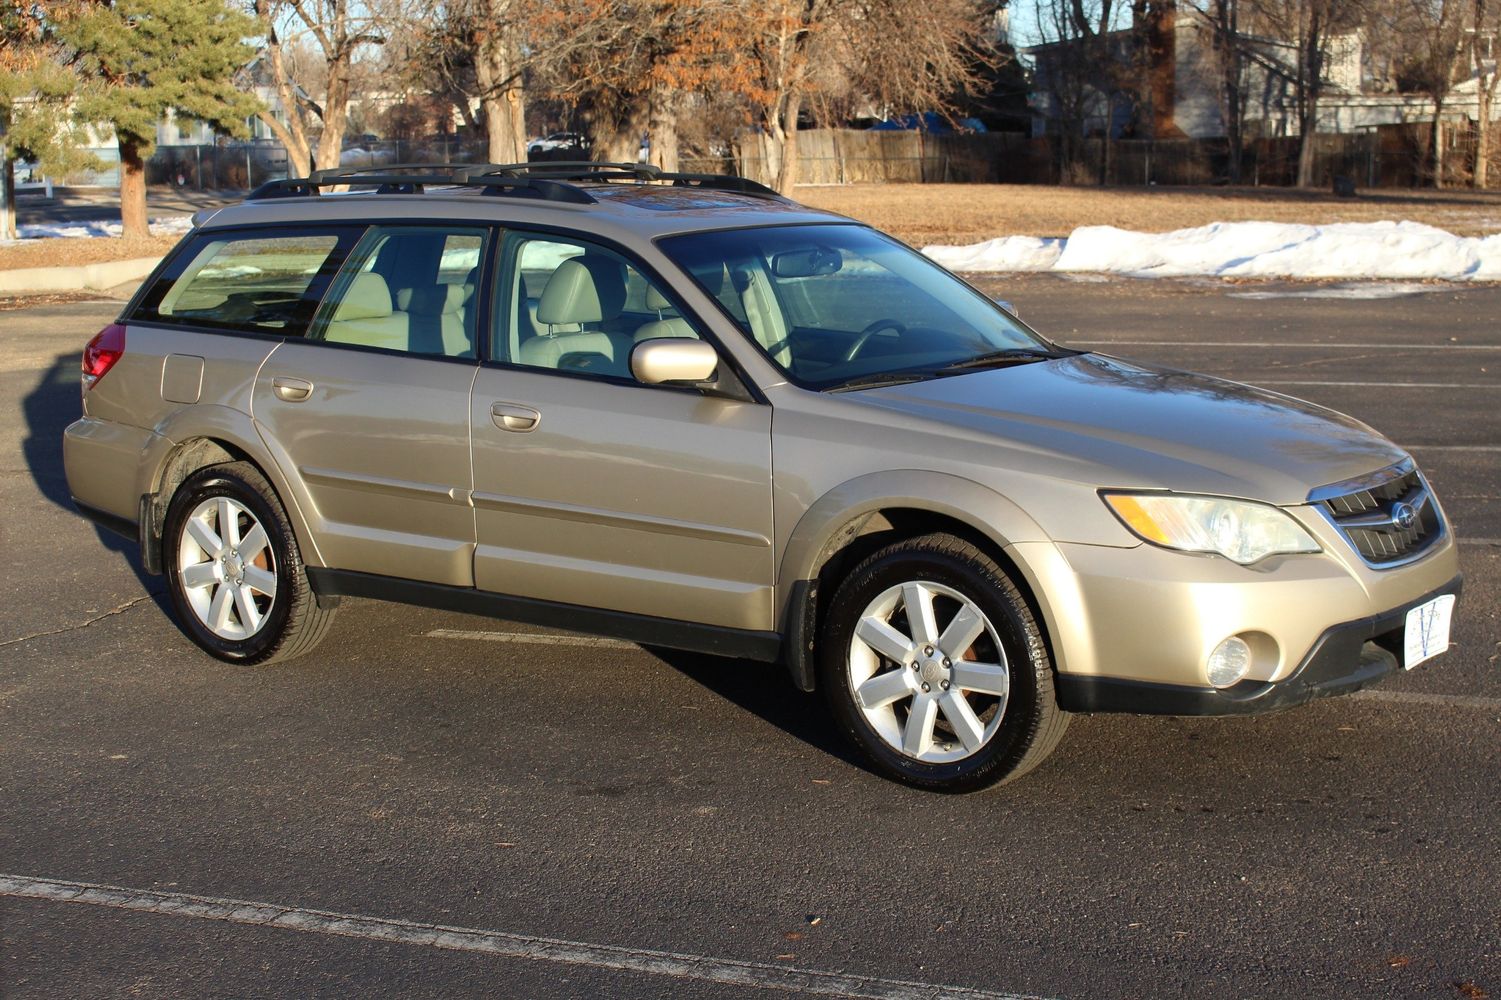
column 1365, row 250
column 73, row 230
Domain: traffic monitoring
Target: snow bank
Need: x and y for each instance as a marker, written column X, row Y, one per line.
column 1005, row 253
column 1401, row 250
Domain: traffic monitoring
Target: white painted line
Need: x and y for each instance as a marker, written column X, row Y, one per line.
column 677, row 965
column 1382, row 385
column 1480, row 541
column 529, row 638
column 1433, row 700
column 1452, row 447
column 1285, row 343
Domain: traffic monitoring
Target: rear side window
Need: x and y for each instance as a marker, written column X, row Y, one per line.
column 267, row 281
column 407, row 288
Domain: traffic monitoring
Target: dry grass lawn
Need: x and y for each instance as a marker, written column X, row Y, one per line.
column 922, row 214
column 82, row 250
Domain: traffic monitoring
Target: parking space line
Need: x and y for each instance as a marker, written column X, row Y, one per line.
column 1452, row 447
column 1380, row 385
column 1286, row 343
column 1434, row 700
column 677, row 965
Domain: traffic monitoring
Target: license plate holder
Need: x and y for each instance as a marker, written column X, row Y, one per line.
column 1426, row 633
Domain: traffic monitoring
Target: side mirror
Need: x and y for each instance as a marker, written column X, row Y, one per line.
column 674, row 361
column 1008, row 306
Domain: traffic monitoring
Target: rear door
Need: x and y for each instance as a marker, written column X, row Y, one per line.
column 371, row 409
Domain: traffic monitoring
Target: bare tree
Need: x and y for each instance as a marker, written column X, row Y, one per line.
column 336, row 31
column 1310, row 28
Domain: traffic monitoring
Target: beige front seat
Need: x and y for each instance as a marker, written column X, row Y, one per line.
column 587, row 289
column 364, row 316
column 763, row 314
column 662, row 326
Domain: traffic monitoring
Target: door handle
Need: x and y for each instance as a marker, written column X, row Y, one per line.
column 293, row 390
column 511, row 417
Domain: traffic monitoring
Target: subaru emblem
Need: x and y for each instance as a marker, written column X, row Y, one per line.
column 1404, row 516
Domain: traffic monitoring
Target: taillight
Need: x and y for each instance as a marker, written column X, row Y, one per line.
column 102, row 353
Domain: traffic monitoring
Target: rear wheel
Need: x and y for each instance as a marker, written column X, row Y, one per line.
column 936, row 669
column 234, row 573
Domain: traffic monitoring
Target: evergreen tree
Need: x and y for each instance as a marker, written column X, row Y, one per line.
column 36, row 121
column 140, row 59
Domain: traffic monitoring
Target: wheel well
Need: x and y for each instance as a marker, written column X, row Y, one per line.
column 863, row 535
column 186, row 459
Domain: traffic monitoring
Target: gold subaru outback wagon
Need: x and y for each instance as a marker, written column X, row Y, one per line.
column 684, row 411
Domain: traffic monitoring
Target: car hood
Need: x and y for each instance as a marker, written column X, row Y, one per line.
column 1116, row 423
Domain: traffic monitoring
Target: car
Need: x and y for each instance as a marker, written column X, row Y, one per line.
column 685, row 411
column 567, row 146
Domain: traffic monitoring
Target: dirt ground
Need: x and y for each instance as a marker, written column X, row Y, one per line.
column 922, row 214
column 968, row 213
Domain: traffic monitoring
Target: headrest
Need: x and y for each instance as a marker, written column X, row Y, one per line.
column 656, row 301
column 587, row 289
column 432, row 300
column 367, row 297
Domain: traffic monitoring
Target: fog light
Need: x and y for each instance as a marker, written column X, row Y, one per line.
column 1229, row 662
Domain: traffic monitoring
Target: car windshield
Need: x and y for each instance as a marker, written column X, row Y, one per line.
column 843, row 307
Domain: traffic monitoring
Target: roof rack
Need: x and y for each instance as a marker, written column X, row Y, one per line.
column 553, row 180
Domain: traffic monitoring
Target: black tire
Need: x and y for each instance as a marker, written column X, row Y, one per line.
column 1030, row 722
column 293, row 623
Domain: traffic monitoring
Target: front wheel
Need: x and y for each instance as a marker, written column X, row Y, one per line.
column 234, row 574
column 935, row 667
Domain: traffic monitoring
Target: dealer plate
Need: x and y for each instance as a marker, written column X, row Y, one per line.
column 1427, row 632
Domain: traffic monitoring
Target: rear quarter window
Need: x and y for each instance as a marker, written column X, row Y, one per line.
column 267, row 281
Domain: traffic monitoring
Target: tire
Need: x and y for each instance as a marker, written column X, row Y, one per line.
column 247, row 601
column 996, row 665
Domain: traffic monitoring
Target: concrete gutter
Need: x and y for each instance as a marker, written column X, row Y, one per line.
column 90, row 277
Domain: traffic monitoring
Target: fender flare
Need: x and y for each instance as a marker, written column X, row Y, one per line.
column 834, row 519
column 236, row 429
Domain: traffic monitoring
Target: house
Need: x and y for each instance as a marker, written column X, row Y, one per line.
column 1098, row 88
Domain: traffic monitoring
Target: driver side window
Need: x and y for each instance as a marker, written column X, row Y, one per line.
column 578, row 308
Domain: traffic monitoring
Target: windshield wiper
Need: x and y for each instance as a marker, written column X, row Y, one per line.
column 881, row 378
column 997, row 359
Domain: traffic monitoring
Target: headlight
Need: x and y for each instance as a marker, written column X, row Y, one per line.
column 1236, row 529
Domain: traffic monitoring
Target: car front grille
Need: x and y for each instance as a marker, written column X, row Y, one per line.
column 1389, row 517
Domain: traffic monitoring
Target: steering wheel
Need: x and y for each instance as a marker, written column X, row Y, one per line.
column 864, row 336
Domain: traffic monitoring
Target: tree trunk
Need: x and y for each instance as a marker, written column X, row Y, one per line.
column 132, row 191
column 786, row 170
column 662, row 121
column 299, row 156
column 1485, row 92
column 8, row 199
column 502, row 102
column 1437, row 151
column 1306, row 131
column 335, row 113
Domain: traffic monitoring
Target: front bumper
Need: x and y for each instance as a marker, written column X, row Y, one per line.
column 1345, row 658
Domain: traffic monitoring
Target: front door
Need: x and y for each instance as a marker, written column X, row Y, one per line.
column 593, row 489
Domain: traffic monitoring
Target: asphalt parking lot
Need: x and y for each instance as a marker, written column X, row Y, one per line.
column 606, row 820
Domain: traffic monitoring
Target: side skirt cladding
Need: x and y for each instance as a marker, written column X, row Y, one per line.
column 716, row 640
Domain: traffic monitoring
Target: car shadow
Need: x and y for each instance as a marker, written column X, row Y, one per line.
column 766, row 691
column 51, row 405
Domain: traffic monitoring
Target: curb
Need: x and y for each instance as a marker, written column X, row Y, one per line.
column 93, row 277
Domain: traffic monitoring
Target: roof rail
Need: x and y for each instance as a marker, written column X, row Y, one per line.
column 545, row 179
column 403, row 178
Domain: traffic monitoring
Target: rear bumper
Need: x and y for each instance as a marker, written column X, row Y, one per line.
column 1345, row 658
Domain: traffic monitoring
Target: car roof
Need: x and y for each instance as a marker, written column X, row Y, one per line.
column 618, row 210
